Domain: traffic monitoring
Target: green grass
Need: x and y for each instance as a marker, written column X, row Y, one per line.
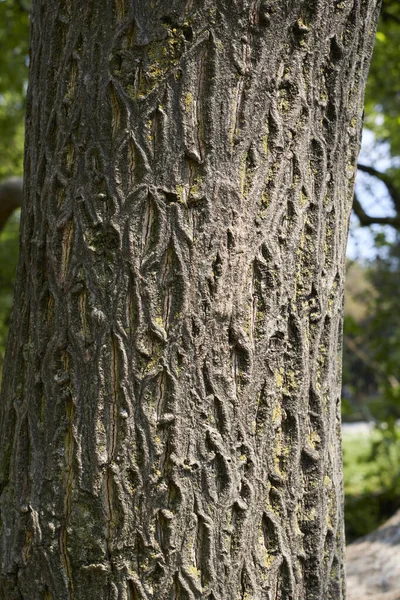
column 357, row 464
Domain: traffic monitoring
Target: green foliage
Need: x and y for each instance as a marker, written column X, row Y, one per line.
column 14, row 34
column 372, row 349
column 360, row 385
column 372, row 374
column 372, row 356
column 8, row 262
column 382, row 103
column 384, row 332
column 371, row 465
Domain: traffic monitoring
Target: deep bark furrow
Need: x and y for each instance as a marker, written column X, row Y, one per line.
column 172, row 384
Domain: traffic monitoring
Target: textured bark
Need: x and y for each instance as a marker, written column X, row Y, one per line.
column 170, row 416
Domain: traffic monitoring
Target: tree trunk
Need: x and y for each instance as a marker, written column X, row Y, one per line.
column 170, row 417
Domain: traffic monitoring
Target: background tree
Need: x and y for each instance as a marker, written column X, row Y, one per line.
column 170, row 416
column 382, row 111
column 14, row 28
column 372, row 335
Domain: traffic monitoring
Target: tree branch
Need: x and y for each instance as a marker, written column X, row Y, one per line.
column 387, row 180
column 386, row 15
column 367, row 220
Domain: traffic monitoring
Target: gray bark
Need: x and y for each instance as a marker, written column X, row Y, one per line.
column 170, row 416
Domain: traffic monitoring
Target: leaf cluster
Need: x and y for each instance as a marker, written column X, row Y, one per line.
column 14, row 52
column 382, row 100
